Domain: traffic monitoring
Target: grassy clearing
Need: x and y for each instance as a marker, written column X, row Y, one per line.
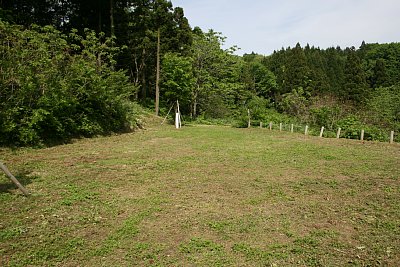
column 203, row 196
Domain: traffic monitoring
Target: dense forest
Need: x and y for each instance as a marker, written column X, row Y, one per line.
column 80, row 68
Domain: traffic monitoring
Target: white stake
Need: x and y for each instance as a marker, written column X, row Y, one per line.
column 322, row 131
column 338, row 132
column 249, row 122
column 179, row 112
column 306, row 131
column 177, row 124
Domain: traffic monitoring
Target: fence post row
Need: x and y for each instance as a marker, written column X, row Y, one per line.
column 322, row 131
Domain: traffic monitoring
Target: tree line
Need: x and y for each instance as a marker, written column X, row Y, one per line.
column 119, row 52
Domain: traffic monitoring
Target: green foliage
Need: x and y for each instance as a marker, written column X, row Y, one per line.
column 65, row 84
column 52, row 91
column 257, row 107
column 295, row 103
column 384, row 107
column 297, row 72
column 355, row 85
column 217, row 76
column 382, row 62
column 379, row 76
column 215, row 108
column 260, row 111
column 351, row 127
column 258, row 79
column 325, row 116
column 177, row 79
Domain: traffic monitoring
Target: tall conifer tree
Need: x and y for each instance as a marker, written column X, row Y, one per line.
column 355, row 86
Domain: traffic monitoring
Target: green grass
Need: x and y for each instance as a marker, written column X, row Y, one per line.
column 203, row 196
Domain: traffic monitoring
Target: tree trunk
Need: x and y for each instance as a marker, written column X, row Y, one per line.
column 99, row 28
column 158, row 73
column 194, row 101
column 135, row 78
column 112, row 18
column 195, row 109
column 98, row 62
column 144, row 92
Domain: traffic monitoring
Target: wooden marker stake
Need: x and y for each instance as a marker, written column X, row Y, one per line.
column 338, row 133
column 322, row 131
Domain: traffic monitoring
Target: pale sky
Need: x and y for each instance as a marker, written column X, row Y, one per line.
column 263, row 26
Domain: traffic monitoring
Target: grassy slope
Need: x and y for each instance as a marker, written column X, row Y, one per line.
column 203, row 196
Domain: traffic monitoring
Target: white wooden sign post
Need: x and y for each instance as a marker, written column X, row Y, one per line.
column 177, row 124
column 338, row 132
column 178, row 121
column 322, row 131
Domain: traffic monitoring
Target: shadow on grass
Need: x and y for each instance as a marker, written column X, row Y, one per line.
column 6, row 185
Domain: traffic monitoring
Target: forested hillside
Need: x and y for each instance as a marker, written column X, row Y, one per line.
column 75, row 68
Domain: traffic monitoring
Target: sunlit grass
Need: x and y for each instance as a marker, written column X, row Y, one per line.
column 203, row 196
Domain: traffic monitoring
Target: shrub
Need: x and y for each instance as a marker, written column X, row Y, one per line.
column 51, row 91
column 351, row 127
column 260, row 112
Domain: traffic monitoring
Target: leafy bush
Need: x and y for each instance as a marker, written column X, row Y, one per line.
column 215, row 108
column 295, row 103
column 260, row 112
column 257, row 107
column 325, row 116
column 351, row 128
column 51, row 90
column 384, row 107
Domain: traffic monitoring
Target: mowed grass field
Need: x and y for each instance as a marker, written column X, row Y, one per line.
column 203, row 196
